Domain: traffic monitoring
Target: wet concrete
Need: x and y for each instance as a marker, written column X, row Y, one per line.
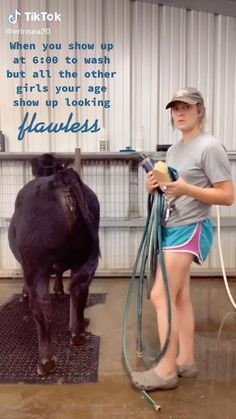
column 209, row 396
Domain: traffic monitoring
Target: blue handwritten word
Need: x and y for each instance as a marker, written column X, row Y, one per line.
column 68, row 126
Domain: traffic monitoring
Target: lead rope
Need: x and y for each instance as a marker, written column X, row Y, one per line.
column 150, row 246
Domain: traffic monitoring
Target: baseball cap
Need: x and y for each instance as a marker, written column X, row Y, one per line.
column 188, row 95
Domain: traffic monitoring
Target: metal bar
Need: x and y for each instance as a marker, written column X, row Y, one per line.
column 126, row 273
column 78, row 160
column 158, row 155
column 133, row 190
column 120, row 156
column 138, row 222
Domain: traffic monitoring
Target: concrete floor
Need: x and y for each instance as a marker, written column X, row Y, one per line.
column 210, row 395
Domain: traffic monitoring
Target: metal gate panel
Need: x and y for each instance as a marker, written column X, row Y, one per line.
column 119, row 182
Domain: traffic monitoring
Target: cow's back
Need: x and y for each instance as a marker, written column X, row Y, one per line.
column 45, row 225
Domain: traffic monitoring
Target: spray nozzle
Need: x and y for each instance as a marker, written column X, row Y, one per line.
column 161, row 171
column 147, row 163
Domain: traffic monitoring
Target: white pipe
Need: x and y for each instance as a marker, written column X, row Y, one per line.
column 222, row 260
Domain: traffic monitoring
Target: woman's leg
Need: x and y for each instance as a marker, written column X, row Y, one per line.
column 177, row 269
column 186, row 325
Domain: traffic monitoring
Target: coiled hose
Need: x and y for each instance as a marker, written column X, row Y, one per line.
column 150, row 250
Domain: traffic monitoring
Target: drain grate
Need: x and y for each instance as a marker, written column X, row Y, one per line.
column 19, row 346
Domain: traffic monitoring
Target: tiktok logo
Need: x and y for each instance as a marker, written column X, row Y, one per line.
column 12, row 19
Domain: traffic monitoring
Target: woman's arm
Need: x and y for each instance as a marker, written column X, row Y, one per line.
column 222, row 193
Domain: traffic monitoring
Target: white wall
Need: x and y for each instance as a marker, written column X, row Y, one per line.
column 157, row 49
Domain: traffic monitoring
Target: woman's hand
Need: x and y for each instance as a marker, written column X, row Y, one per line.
column 151, row 183
column 176, row 188
column 221, row 193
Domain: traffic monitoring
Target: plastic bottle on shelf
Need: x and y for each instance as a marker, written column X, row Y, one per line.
column 104, row 141
column 2, row 142
column 139, row 140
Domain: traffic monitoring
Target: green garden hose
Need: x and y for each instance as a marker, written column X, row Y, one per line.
column 149, row 252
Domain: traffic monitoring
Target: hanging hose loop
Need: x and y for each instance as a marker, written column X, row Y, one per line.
column 150, row 250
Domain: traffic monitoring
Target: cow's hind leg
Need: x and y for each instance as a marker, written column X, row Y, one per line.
column 77, row 321
column 24, row 295
column 37, row 286
column 79, row 290
column 58, row 288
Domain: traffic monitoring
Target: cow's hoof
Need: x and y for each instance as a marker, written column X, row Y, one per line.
column 47, row 366
column 86, row 323
column 23, row 297
column 77, row 339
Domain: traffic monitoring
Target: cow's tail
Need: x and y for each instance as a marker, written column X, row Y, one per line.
column 87, row 202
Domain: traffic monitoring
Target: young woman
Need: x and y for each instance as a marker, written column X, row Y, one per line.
column 204, row 180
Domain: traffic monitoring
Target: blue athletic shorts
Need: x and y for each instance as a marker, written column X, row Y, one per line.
column 193, row 238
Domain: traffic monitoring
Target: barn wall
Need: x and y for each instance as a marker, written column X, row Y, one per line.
column 157, row 49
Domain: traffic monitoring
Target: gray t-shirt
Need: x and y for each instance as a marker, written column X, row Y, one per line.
column 201, row 162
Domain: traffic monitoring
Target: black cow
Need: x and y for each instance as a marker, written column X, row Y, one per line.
column 47, row 165
column 55, row 223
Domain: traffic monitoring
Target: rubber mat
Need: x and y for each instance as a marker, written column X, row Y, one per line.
column 19, row 345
